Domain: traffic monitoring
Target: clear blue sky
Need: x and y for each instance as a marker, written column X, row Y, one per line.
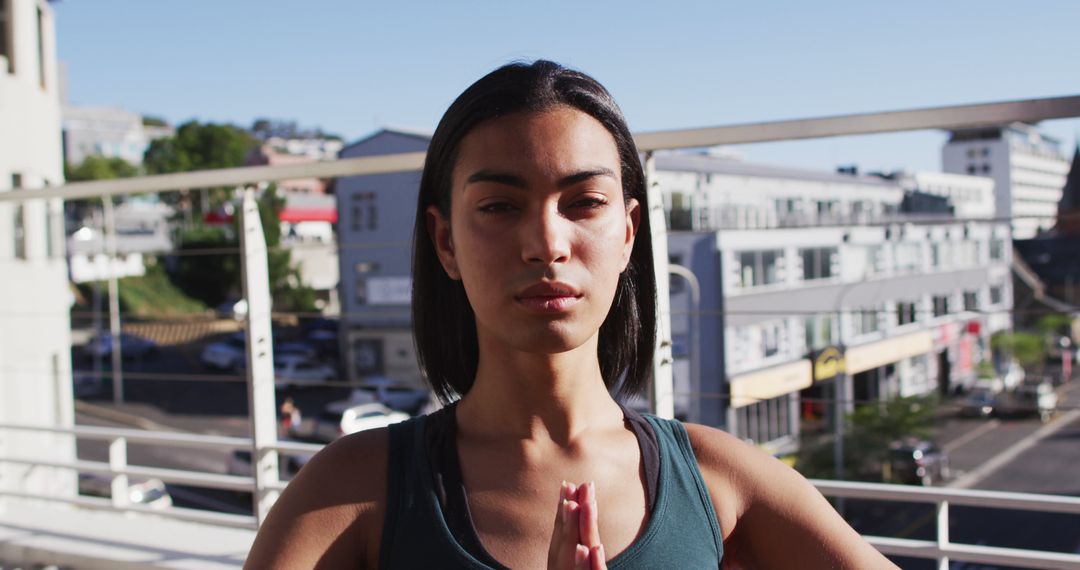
column 352, row 66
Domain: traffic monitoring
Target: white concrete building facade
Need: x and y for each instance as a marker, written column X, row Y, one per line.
column 1028, row 169
column 805, row 265
column 108, row 132
column 35, row 345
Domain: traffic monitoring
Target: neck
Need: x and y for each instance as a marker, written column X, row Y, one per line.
column 530, row 396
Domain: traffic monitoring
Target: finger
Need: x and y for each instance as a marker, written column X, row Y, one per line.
column 564, row 541
column 556, row 546
column 589, row 520
column 597, row 558
column 581, row 557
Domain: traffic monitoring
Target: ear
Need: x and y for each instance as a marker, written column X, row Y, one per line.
column 438, row 229
column 633, row 219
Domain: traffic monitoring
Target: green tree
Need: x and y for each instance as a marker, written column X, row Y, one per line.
column 1029, row 349
column 100, row 168
column 868, row 433
column 198, row 146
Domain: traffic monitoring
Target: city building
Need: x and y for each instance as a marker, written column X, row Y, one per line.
column 108, row 132
column 375, row 228
column 35, row 339
column 1027, row 166
column 800, row 271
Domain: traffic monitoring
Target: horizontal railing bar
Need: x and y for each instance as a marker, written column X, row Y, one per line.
column 179, row 476
column 965, row 497
column 180, row 513
column 384, row 164
column 141, row 436
column 296, row 447
column 980, row 554
column 945, row 117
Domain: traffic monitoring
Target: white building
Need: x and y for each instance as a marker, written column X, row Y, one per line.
column 796, row 267
column 1027, row 166
column 107, row 132
column 35, row 344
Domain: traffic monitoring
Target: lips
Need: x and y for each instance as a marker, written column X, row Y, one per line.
column 549, row 297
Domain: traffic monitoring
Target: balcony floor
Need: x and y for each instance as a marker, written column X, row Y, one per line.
column 35, row 533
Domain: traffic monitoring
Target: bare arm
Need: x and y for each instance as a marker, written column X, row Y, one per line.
column 330, row 515
column 771, row 516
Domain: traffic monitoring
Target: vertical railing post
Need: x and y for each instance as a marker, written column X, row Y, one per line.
column 114, row 302
column 118, row 465
column 262, row 407
column 942, row 533
column 661, row 398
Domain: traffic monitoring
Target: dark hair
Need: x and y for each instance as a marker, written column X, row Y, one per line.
column 444, row 326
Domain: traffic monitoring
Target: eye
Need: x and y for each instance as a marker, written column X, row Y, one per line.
column 496, row 208
column 589, row 202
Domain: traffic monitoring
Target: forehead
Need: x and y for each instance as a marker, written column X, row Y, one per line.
column 553, row 142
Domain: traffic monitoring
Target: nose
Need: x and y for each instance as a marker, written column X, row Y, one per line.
column 546, row 238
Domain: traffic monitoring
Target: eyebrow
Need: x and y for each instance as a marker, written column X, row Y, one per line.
column 516, row 181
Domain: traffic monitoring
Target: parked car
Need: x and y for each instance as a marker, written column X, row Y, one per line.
column 149, row 492
column 232, row 309
column 1029, row 399
column 131, row 346
column 345, row 417
column 301, row 349
column 296, row 370
column 979, row 403
column 230, row 354
column 392, row 393
column 917, row 462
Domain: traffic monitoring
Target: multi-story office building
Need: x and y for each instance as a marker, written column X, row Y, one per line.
column 108, row 132
column 375, row 227
column 1028, row 169
column 35, row 341
column 800, row 269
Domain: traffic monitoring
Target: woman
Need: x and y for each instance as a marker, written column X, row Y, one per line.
column 534, row 302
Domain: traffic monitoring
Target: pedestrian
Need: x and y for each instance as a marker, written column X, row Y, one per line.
column 534, row 315
column 290, row 417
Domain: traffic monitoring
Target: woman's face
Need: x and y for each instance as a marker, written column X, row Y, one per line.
column 539, row 230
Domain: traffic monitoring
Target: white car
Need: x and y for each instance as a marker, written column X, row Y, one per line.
column 345, row 417
column 230, row 354
column 149, row 492
column 298, row 370
column 394, row 394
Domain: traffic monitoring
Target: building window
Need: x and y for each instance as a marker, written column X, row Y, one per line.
column 818, row 263
column 760, row 267
column 20, row 232
column 906, row 313
column 986, row 169
column 41, row 46
column 997, row 249
column 971, row 169
column 941, row 305
column 866, row 320
column 935, row 254
column 997, row 295
column 767, row 420
column 908, row 256
column 971, row 301
column 819, row 331
column 770, row 339
column 363, row 212
column 7, row 43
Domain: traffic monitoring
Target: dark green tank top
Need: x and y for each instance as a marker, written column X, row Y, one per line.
column 682, row 531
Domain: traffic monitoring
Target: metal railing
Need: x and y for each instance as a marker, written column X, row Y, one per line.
column 941, row 549
column 265, row 449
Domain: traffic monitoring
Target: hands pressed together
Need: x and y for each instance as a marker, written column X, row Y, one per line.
column 575, row 542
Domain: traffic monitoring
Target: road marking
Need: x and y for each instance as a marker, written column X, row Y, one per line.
column 949, row 447
column 998, row 461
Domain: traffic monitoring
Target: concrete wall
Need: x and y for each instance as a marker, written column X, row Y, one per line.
column 35, row 346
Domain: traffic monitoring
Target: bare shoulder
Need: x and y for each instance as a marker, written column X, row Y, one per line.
column 331, row 514
column 760, row 501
